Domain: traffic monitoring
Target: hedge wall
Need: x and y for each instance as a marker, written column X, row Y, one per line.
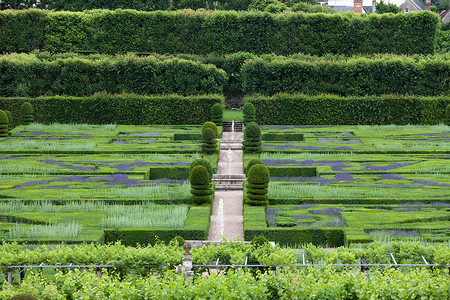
column 118, row 109
column 196, row 227
column 204, row 32
column 27, row 75
column 354, row 76
column 287, row 109
column 255, row 224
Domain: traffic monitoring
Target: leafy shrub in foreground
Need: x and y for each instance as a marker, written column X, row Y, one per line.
column 212, row 126
column 252, row 162
column 202, row 162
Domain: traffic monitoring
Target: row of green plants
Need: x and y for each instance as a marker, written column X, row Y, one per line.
column 26, row 75
column 204, row 32
column 291, row 109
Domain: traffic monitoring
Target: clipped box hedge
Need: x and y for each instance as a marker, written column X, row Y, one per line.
column 255, row 224
column 282, row 136
column 30, row 75
column 292, row 171
column 203, row 32
column 378, row 75
column 196, row 227
column 117, row 109
column 296, row 109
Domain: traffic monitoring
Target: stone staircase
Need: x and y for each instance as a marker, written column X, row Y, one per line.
column 233, row 126
column 226, row 182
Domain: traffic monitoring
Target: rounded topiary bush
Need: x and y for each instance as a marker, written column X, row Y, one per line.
column 26, row 110
column 202, row 162
column 212, row 126
column 257, row 185
column 249, row 113
column 10, row 120
column 200, row 186
column 4, row 124
column 209, row 144
column 447, row 115
column 23, row 297
column 252, row 138
column 252, row 162
column 217, row 114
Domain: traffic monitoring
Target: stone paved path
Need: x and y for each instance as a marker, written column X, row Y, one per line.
column 227, row 218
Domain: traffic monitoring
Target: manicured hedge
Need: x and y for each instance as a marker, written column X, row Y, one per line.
column 195, row 228
column 282, row 136
column 298, row 109
column 361, row 76
column 292, row 171
column 255, row 224
column 27, row 75
column 118, row 109
column 204, row 32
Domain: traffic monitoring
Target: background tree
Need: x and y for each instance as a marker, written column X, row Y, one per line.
column 382, row 8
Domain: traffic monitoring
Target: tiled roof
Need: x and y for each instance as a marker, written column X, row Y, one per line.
column 342, row 8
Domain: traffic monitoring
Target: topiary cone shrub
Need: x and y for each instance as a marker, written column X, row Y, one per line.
column 257, row 185
column 4, row 124
column 10, row 121
column 252, row 162
column 26, row 110
column 200, row 186
column 217, row 114
column 447, row 115
column 212, row 126
column 209, row 144
column 249, row 113
column 202, row 162
column 252, row 138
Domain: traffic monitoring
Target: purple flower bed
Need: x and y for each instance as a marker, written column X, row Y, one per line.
column 56, row 187
column 392, row 176
column 9, row 157
column 335, row 165
column 370, row 167
column 330, row 211
column 404, row 233
column 139, row 133
column 336, row 224
column 431, row 183
column 318, row 180
column 437, row 134
column 275, row 127
column 33, row 133
column 8, row 139
column 304, row 206
column 340, row 141
column 117, row 178
column 61, row 164
column 303, row 217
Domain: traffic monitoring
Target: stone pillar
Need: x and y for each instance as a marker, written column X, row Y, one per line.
column 187, row 261
column 357, row 6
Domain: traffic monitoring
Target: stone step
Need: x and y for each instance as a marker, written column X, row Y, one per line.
column 231, row 176
column 231, row 146
column 229, row 187
column 228, row 126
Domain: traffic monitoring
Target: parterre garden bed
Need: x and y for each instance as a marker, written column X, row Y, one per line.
column 367, row 183
column 78, row 183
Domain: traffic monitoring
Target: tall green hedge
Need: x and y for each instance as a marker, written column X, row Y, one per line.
column 118, row 109
column 221, row 32
column 296, row 109
column 378, row 75
column 27, row 75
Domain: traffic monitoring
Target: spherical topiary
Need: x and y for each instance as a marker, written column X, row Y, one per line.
column 252, row 162
column 10, row 120
column 4, row 124
column 26, row 110
column 23, row 297
column 209, row 144
column 447, row 115
column 252, row 138
column 257, row 185
column 200, row 186
column 249, row 113
column 217, row 114
column 212, row 126
column 202, row 162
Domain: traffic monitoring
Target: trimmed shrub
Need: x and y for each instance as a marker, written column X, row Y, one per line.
column 447, row 115
column 257, row 185
column 200, row 186
column 249, row 113
column 300, row 109
column 23, row 297
column 217, row 114
column 3, row 124
column 118, row 109
column 209, row 144
column 10, row 120
column 252, row 138
column 202, row 162
column 212, row 126
column 26, row 111
column 252, row 162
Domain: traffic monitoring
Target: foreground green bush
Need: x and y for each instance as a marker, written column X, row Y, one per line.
column 117, row 109
column 77, row 76
column 204, row 32
column 293, row 109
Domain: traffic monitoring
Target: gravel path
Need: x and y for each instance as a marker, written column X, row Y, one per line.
column 227, row 218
